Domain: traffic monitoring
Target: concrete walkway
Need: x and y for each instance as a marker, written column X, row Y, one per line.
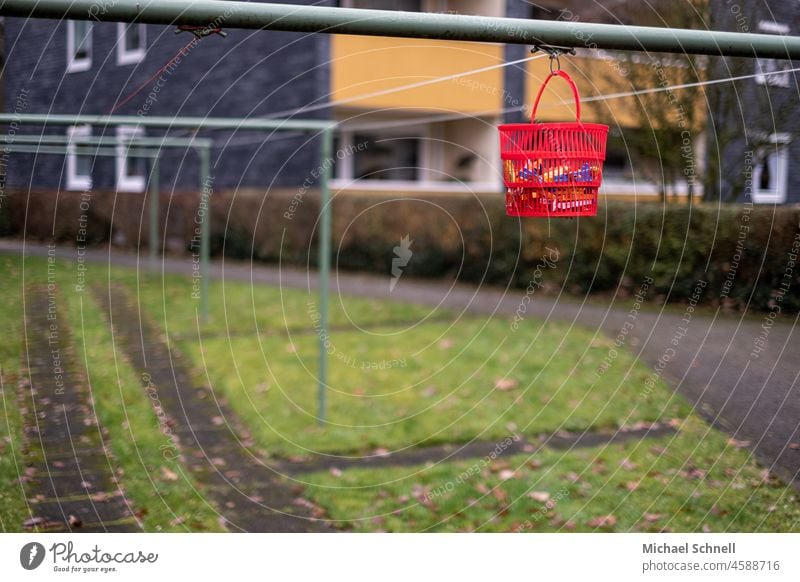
column 740, row 372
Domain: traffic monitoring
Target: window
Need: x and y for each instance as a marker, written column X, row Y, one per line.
column 131, row 43
column 772, row 72
column 378, row 156
column 79, row 167
column 771, row 171
column 131, row 170
column 79, row 45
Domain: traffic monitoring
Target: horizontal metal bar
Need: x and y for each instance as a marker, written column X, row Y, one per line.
column 64, row 150
column 237, row 123
column 169, row 142
column 290, row 17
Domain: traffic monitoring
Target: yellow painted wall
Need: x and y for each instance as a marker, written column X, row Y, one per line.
column 363, row 65
column 590, row 81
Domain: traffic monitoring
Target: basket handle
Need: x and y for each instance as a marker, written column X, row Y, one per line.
column 563, row 75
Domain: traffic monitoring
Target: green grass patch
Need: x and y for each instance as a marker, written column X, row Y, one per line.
column 243, row 309
column 692, row 482
column 428, row 383
column 165, row 495
column 13, row 505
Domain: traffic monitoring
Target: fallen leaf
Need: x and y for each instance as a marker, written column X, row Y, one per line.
column 446, row 344
column 738, row 444
column 541, row 496
column 75, row 521
column 336, row 471
column 505, row 384
column 429, row 391
column 651, row 517
column 169, row 474
column 603, row 521
column 627, row 464
column 33, row 522
column 795, row 446
column 217, row 420
column 507, row 474
column 381, row 452
column 86, row 485
column 499, row 494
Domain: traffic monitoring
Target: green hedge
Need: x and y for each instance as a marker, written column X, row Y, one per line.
column 742, row 253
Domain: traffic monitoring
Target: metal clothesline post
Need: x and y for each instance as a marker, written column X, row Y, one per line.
column 324, row 19
column 324, row 269
column 205, row 226
column 154, row 194
column 97, row 146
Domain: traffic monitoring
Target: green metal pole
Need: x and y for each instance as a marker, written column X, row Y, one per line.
column 291, row 17
column 205, row 226
column 324, row 270
column 153, row 192
column 236, row 123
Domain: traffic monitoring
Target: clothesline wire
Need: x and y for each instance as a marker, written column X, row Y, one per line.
column 494, row 112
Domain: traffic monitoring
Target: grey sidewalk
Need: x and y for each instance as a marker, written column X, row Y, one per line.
column 755, row 399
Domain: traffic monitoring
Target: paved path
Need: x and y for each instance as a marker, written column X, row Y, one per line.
column 250, row 495
column 754, row 399
column 437, row 454
column 69, row 476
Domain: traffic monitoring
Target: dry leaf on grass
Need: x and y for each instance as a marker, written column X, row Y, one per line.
column 505, row 384
column 603, row 521
column 169, row 474
column 541, row 496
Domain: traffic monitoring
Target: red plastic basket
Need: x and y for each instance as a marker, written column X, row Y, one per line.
column 553, row 169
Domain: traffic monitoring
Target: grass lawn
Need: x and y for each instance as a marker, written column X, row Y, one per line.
column 437, row 382
column 693, row 481
column 402, row 376
column 163, row 495
column 13, row 506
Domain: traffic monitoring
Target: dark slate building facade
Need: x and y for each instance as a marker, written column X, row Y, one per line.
column 96, row 67
column 753, row 142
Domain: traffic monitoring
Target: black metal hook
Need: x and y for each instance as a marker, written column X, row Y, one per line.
column 554, row 52
column 201, row 31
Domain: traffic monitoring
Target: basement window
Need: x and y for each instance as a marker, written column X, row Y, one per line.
column 79, row 166
column 131, row 170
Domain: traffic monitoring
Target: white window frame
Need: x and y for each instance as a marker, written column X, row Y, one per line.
column 778, row 77
column 76, row 181
column 778, row 145
column 781, row 79
column 771, row 27
column 126, row 183
column 344, row 167
column 129, row 57
column 77, row 65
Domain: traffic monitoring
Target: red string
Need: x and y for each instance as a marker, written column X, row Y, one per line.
column 139, row 89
